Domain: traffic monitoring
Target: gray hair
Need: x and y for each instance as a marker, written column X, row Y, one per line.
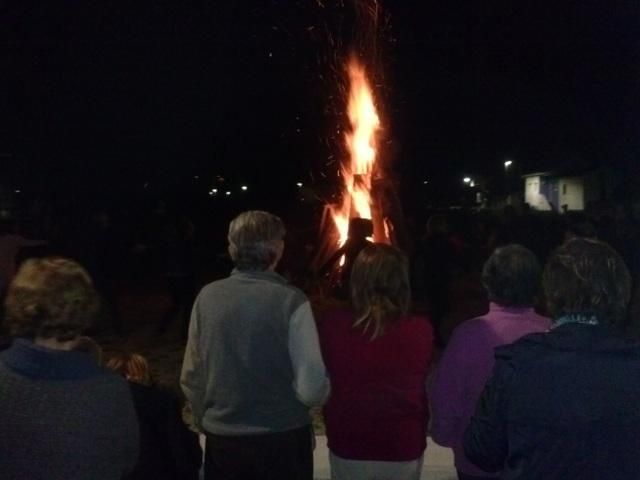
column 512, row 276
column 254, row 240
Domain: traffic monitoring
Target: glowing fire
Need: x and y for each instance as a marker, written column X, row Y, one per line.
column 362, row 147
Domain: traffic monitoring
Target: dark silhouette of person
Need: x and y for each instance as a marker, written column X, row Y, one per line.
column 179, row 271
column 169, row 450
column 435, row 264
column 103, row 256
column 360, row 229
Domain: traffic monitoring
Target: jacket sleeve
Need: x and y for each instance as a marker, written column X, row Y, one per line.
column 485, row 440
column 310, row 381
column 192, row 378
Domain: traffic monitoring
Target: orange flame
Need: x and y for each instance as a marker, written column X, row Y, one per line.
column 362, row 146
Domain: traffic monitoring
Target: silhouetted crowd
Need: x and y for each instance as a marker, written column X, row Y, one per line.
column 539, row 383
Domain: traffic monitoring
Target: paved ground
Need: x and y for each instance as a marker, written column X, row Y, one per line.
column 438, row 464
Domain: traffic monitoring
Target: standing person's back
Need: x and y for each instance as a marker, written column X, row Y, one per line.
column 378, row 357
column 168, row 449
column 253, row 367
column 511, row 277
column 564, row 404
column 435, row 263
column 61, row 415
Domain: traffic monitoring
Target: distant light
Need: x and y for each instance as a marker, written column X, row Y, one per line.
column 244, row 188
column 227, row 193
column 196, row 177
column 17, row 190
column 425, row 182
column 299, row 184
column 466, row 180
column 507, row 164
column 472, row 183
column 215, row 190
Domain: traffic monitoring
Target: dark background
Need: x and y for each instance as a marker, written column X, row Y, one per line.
column 105, row 100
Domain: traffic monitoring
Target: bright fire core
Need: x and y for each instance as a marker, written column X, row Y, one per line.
column 362, row 147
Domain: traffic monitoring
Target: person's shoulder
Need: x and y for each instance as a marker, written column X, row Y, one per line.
column 268, row 280
column 471, row 340
column 293, row 291
column 109, row 379
column 335, row 317
column 215, row 285
column 473, row 326
column 215, row 290
column 526, row 346
column 104, row 393
column 418, row 322
column 418, row 329
column 541, row 319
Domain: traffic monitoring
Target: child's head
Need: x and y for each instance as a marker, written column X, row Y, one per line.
column 132, row 366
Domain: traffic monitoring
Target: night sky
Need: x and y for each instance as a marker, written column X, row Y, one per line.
column 115, row 95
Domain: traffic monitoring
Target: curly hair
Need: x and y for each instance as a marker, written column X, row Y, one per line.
column 587, row 278
column 51, row 297
column 380, row 289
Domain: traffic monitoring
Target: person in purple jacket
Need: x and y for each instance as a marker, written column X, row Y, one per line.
column 512, row 278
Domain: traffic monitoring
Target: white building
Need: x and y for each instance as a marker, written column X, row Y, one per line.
column 570, row 191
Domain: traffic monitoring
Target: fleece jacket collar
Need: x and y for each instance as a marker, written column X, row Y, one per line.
column 41, row 363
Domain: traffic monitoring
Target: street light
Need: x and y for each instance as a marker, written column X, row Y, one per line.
column 507, row 164
column 466, row 179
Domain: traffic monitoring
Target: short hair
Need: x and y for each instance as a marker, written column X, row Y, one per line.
column 512, row 276
column 254, row 240
column 51, row 297
column 380, row 288
column 587, row 278
column 132, row 366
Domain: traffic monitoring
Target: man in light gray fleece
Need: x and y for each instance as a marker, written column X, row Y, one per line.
column 253, row 367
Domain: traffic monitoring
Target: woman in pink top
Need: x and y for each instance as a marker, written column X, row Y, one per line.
column 377, row 356
column 512, row 278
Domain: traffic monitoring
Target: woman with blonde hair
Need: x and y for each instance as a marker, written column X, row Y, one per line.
column 378, row 356
column 168, row 449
